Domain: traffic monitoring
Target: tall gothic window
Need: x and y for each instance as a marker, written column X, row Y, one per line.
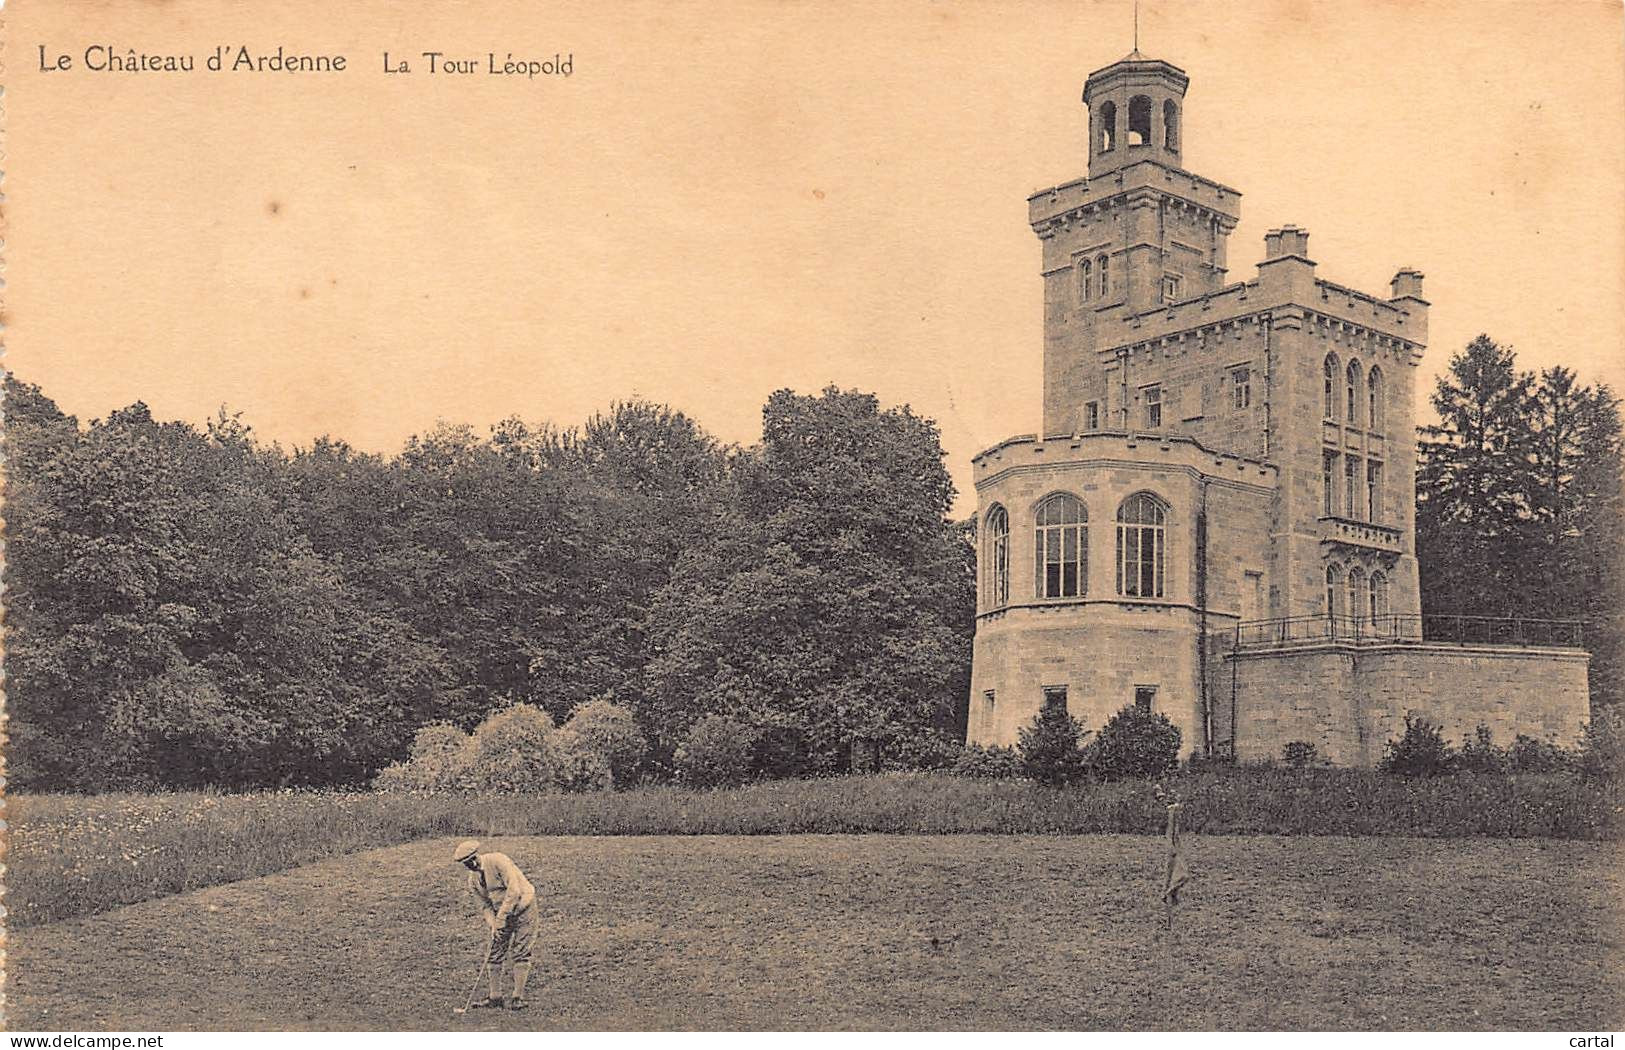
column 1374, row 397
column 1141, row 546
column 1357, row 597
column 1328, row 483
column 1373, row 490
column 1355, row 390
column 1083, row 280
column 1334, row 590
column 1105, row 282
column 1062, row 543
column 1379, row 596
column 1329, row 400
column 998, row 558
column 1170, row 125
column 1351, row 486
column 1108, row 126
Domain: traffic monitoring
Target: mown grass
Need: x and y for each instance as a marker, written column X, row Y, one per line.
column 967, row 932
column 78, row 855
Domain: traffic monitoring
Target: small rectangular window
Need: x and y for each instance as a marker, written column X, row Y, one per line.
column 1152, row 396
column 987, row 695
column 1373, row 491
column 1055, row 696
column 1145, row 696
column 1091, row 415
column 1171, row 283
column 1328, row 483
column 1241, row 387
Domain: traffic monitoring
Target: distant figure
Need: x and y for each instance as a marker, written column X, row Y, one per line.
column 509, row 904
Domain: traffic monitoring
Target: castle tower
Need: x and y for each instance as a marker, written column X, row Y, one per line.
column 1218, row 520
column 1138, row 233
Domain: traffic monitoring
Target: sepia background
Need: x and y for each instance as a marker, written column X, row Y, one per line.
column 723, row 200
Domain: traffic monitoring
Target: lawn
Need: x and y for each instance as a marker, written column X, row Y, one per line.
column 873, row 931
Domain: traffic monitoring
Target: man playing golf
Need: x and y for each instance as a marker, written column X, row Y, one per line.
column 508, row 901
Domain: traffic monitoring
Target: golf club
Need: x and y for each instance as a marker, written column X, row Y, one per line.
column 484, row 966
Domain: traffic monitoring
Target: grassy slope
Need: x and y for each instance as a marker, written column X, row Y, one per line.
column 832, row 932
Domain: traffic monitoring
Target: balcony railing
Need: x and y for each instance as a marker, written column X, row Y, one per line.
column 1379, row 630
column 1361, row 534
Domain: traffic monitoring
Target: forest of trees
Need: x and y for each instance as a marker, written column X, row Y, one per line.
column 189, row 607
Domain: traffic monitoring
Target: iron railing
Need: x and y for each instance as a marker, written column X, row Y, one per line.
column 1387, row 629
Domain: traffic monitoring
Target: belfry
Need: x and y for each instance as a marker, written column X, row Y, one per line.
column 1218, row 520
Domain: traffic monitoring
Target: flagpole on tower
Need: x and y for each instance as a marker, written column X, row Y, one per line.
column 1136, row 25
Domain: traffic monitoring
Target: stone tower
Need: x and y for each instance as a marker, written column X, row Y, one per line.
column 1218, row 519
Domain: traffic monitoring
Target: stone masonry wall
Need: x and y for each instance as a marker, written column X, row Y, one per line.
column 1350, row 701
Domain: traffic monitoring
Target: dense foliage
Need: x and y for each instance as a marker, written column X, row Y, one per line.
column 1050, row 747
column 191, row 607
column 1519, row 509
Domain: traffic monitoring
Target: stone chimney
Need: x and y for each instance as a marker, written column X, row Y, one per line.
column 1287, row 241
column 1407, row 284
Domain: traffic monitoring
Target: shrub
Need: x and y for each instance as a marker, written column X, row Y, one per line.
column 1136, row 742
column 573, row 764
column 612, row 732
column 1299, row 754
column 924, row 750
column 1602, row 749
column 1420, row 752
column 1049, row 746
column 780, row 752
column 1479, row 754
column 1529, row 755
column 987, row 763
column 509, row 751
column 716, row 752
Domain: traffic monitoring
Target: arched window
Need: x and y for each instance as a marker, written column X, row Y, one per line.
column 1084, row 276
column 1355, row 390
column 1170, row 125
column 1141, row 546
column 1062, row 542
column 1101, row 266
column 1330, row 399
column 1357, row 596
column 1139, row 120
column 998, row 558
column 1108, row 126
column 1379, row 597
column 1374, row 398
column 1334, row 589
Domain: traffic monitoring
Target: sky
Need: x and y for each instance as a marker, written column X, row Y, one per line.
column 722, row 200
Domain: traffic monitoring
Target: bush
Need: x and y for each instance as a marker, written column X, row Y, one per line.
column 1420, row 752
column 1136, row 742
column 1299, row 754
column 717, row 752
column 1602, row 749
column 1049, row 747
column 610, row 730
column 1529, row 755
column 509, row 751
column 780, row 753
column 987, row 763
column 573, row 764
column 1479, row 754
column 924, row 750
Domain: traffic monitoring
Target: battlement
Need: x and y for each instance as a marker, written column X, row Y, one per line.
column 1028, row 450
column 1050, row 208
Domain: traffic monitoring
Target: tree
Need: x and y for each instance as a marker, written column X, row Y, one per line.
column 1471, row 494
column 835, row 599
